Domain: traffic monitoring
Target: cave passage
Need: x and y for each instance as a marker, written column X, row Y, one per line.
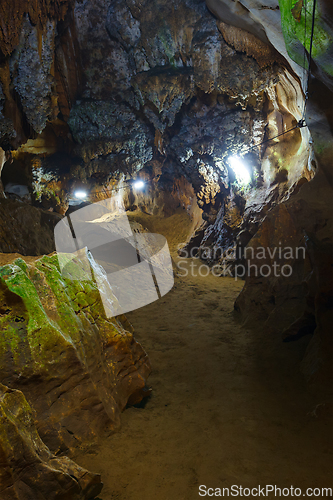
column 128, row 129
column 229, row 405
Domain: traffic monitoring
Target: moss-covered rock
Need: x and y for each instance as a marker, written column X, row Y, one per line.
column 76, row 367
column 296, row 18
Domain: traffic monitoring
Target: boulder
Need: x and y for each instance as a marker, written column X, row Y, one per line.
column 76, row 367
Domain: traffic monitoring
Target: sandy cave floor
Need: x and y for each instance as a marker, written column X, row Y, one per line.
column 229, row 405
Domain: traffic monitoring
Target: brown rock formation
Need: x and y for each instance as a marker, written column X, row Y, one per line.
column 76, row 367
column 243, row 41
column 25, row 229
column 28, row 468
column 296, row 300
column 12, row 13
column 302, row 303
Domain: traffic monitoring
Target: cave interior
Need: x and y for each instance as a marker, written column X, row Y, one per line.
column 166, row 249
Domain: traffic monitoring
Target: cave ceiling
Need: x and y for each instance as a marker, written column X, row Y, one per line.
column 97, row 91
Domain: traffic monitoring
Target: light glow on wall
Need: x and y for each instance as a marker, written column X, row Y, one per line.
column 80, row 195
column 138, row 184
column 241, row 170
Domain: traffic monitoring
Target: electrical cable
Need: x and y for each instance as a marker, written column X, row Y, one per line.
column 299, row 125
column 310, row 59
column 304, row 47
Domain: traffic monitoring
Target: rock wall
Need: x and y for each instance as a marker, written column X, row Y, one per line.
column 301, row 304
column 26, row 229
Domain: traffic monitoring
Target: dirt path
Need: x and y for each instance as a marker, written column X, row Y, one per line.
column 229, row 406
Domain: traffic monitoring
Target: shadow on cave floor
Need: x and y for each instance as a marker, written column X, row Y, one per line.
column 229, row 405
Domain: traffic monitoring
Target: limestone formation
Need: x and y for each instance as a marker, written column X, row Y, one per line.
column 32, row 61
column 128, row 82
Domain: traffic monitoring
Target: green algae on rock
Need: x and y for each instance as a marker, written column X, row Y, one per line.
column 76, row 367
column 296, row 28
